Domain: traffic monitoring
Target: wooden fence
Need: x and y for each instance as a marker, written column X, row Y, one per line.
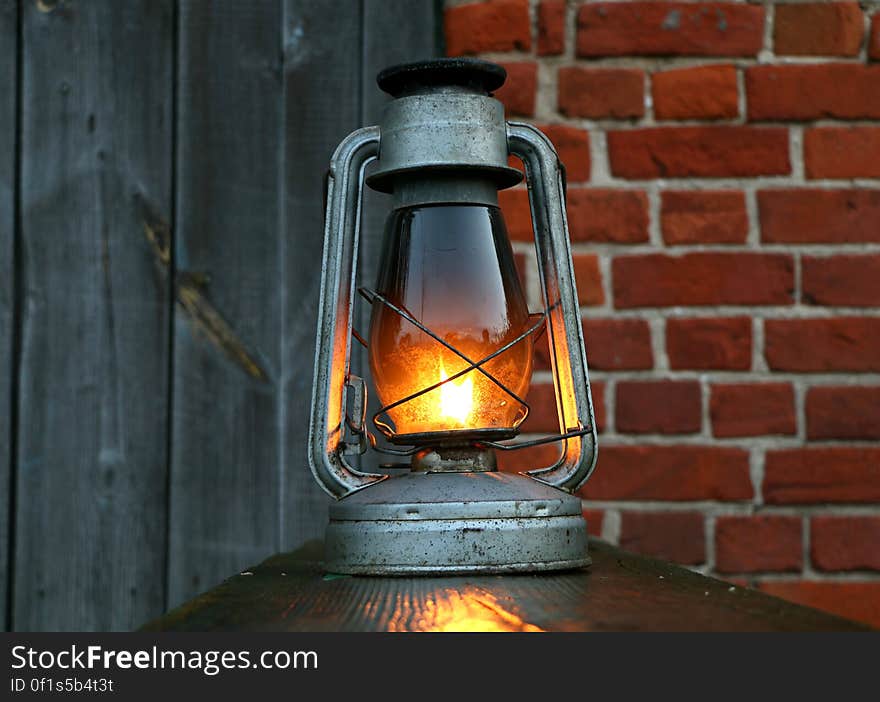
column 161, row 170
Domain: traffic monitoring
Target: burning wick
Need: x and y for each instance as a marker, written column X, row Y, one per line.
column 456, row 397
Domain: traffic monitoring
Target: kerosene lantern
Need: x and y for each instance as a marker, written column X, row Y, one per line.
column 450, row 343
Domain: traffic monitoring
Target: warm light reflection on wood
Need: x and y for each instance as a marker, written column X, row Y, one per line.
column 467, row 609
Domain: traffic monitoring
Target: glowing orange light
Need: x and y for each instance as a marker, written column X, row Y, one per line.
column 470, row 609
column 451, row 268
column 456, row 397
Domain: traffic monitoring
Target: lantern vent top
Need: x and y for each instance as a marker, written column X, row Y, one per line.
column 443, row 126
column 468, row 74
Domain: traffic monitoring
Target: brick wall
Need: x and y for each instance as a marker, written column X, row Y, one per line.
column 723, row 162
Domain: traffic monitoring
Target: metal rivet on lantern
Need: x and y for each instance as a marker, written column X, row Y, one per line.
column 451, row 342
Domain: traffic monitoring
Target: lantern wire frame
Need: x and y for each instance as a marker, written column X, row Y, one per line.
column 360, row 430
column 337, row 390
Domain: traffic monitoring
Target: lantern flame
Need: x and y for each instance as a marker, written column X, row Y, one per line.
column 456, row 397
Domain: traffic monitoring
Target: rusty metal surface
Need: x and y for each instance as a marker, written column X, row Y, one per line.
column 450, row 522
column 619, row 592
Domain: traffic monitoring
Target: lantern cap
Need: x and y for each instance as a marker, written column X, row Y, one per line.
column 475, row 74
column 443, row 121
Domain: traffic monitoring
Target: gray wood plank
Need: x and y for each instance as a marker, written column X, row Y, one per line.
column 322, row 84
column 95, row 180
column 395, row 31
column 225, row 457
column 8, row 127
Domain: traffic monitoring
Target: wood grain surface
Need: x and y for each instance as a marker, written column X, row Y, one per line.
column 619, row 592
column 96, row 157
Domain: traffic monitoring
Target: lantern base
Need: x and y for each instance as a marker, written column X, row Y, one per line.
column 484, row 522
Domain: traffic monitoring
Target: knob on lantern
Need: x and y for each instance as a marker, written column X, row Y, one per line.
column 450, row 343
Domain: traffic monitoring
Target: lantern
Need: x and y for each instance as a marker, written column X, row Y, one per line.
column 451, row 341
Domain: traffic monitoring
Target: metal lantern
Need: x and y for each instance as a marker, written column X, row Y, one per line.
column 450, row 343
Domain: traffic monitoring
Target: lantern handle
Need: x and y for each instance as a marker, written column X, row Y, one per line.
column 545, row 180
column 339, row 265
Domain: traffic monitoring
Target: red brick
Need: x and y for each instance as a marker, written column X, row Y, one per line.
column 518, row 91
column 852, row 600
column 874, row 40
column 818, row 29
column 658, row 407
column 588, row 279
column 670, row 473
column 498, row 25
column 818, row 475
column 534, row 457
column 844, row 412
column 673, row 536
column 573, row 146
column 702, row 152
column 755, row 544
column 823, row 345
column 752, row 409
column 595, row 215
column 597, row 393
column 551, row 27
column 659, row 280
column 601, row 92
column 835, row 90
column 819, row 216
column 529, row 458
column 608, row 216
column 522, row 269
column 703, row 217
column 544, row 418
column 618, row 344
column 514, row 205
column 850, row 281
column 842, row 152
column 612, row 344
column 594, row 518
column 704, row 92
column 845, row 543
column 516, row 162
column 709, row 344
column 738, row 581
column 669, row 29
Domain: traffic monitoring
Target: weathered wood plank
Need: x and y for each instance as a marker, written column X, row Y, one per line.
column 95, row 181
column 395, row 31
column 225, row 457
column 8, row 128
column 322, row 83
column 619, row 592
